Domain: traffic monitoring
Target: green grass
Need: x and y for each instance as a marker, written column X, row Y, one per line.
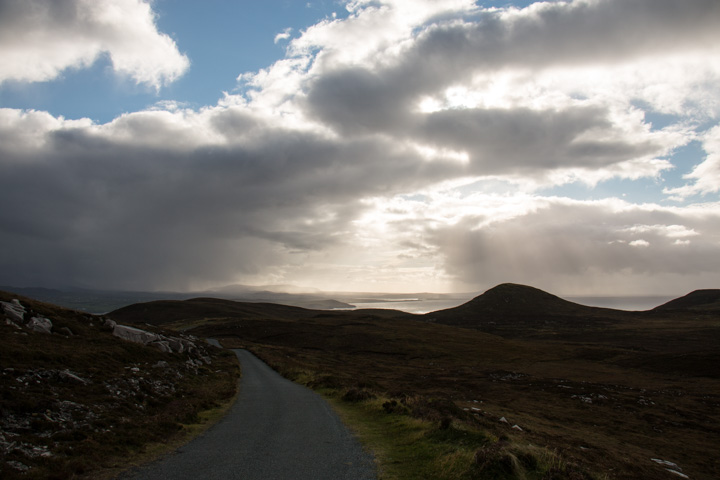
column 407, row 448
column 416, row 436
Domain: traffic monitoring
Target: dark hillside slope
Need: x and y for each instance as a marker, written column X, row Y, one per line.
column 700, row 301
column 518, row 310
column 77, row 401
column 162, row 312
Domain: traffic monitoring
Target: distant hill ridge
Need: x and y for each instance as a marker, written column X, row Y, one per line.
column 707, row 300
column 511, row 298
column 508, row 309
column 511, row 309
column 160, row 312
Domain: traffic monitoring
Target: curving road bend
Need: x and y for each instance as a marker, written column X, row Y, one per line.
column 275, row 430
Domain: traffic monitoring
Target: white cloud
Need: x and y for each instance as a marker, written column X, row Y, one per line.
column 39, row 39
column 639, row 243
column 284, row 35
column 705, row 176
column 404, row 145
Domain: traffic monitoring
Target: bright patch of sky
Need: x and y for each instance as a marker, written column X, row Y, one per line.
column 404, row 145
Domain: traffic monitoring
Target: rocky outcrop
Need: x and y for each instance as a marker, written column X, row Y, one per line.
column 15, row 315
column 164, row 343
column 14, row 312
column 135, row 335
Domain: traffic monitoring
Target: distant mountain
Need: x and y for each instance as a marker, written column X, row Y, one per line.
column 93, row 301
column 161, row 312
column 102, row 301
column 704, row 301
column 518, row 310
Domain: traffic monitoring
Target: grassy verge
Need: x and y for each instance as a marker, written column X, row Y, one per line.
column 422, row 437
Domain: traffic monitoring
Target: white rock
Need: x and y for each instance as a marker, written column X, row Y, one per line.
column 10, row 322
column 517, row 427
column 666, row 463
column 504, row 420
column 176, row 344
column 162, row 345
column 68, row 375
column 13, row 310
column 134, row 335
column 39, row 324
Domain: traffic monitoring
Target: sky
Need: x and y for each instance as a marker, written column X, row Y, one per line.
column 361, row 145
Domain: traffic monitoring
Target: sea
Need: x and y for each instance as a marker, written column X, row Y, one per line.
column 421, row 306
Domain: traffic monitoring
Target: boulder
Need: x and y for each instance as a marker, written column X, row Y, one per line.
column 176, row 344
column 134, row 335
column 40, row 324
column 162, row 345
column 13, row 310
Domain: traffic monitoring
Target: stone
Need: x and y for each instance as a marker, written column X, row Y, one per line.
column 162, row 345
column 40, row 324
column 69, row 376
column 13, row 310
column 10, row 322
column 176, row 344
column 134, row 335
column 65, row 331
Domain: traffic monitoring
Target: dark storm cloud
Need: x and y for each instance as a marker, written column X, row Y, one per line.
column 85, row 204
column 502, row 141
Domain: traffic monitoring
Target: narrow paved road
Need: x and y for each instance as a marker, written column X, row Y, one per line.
column 276, row 430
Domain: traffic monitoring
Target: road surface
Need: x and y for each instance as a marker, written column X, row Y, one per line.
column 275, row 430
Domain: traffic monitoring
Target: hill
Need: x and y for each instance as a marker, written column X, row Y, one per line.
column 602, row 390
column 161, row 312
column 589, row 389
column 699, row 301
column 513, row 310
column 77, row 400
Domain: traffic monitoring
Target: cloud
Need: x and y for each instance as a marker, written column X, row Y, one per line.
column 405, row 145
column 284, row 35
column 545, row 35
column 39, row 39
column 556, row 243
column 705, row 176
column 159, row 200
